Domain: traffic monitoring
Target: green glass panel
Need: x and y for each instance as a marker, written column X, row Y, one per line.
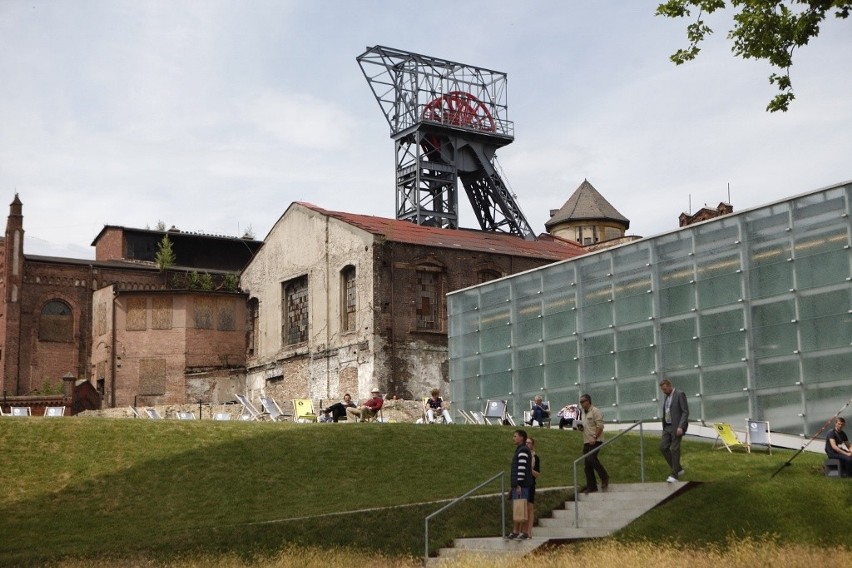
column 677, row 300
column 496, row 363
column 560, row 324
column 599, row 368
column 674, row 246
column 774, row 340
column 721, row 322
column 558, row 277
column 598, row 344
column 559, row 302
column 635, row 362
column 495, row 316
column 495, row 339
column 771, row 374
column 780, row 409
column 595, row 268
column 826, row 332
column 723, row 348
column 494, row 294
column 526, row 285
column 525, row 332
column 679, row 355
column 635, row 337
column 822, row 269
column 827, row 368
column 719, row 290
column 637, row 391
column 530, row 379
column 730, row 380
column 729, row 408
column 632, row 309
column 531, row 356
column 496, row 385
column 561, row 373
column 678, row 330
column 564, row 350
column 773, row 313
column 597, row 316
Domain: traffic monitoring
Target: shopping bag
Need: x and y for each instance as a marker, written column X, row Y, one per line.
column 519, row 510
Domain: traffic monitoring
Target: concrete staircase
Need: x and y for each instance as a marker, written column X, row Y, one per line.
column 600, row 514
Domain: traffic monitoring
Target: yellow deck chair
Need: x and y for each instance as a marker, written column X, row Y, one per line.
column 303, row 410
column 728, row 436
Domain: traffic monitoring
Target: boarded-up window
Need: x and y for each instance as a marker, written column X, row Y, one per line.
column 204, row 309
column 56, row 322
column 100, row 319
column 251, row 332
column 426, row 302
column 152, row 376
column 347, row 286
column 225, row 314
column 295, row 326
column 136, row 314
column 161, row 312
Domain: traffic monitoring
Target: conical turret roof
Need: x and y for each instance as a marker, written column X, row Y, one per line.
column 586, row 204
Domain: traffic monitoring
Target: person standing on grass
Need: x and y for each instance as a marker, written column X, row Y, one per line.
column 592, row 427
column 837, row 447
column 536, row 471
column 675, row 421
column 521, row 473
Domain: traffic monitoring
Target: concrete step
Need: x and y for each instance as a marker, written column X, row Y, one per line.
column 600, row 514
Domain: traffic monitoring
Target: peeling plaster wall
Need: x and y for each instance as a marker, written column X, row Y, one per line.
column 330, row 362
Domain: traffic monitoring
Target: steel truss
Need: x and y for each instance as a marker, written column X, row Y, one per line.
column 447, row 120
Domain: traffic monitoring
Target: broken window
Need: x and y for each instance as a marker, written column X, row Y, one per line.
column 295, row 327
column 426, row 301
column 347, row 277
column 251, row 325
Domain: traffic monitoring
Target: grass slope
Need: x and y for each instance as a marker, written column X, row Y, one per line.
column 168, row 489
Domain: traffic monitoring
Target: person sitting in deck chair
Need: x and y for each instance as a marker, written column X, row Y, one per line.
column 368, row 410
column 539, row 412
column 568, row 415
column 435, row 405
column 337, row 410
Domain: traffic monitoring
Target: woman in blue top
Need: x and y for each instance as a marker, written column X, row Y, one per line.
column 536, row 471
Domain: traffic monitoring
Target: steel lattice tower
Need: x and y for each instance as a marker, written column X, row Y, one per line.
column 447, row 120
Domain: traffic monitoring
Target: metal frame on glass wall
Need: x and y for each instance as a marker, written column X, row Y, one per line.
column 749, row 314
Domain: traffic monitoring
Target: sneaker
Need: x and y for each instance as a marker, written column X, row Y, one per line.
column 587, row 490
column 604, row 484
column 681, row 472
column 522, row 536
column 672, row 479
column 512, row 536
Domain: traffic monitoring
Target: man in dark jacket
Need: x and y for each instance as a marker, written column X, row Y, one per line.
column 675, row 420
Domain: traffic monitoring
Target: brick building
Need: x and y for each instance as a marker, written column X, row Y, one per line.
column 156, row 347
column 360, row 301
column 46, row 312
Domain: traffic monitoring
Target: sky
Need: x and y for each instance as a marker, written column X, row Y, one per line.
column 214, row 116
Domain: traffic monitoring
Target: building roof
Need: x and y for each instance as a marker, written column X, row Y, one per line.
column 586, row 204
column 546, row 247
column 174, row 233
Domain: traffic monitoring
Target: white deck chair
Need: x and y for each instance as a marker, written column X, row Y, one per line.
column 249, row 411
column 21, row 411
column 134, row 412
column 478, row 418
column 468, row 419
column 272, row 409
column 495, row 412
column 54, row 411
column 153, row 414
column 185, row 416
column 758, row 433
column 221, row 416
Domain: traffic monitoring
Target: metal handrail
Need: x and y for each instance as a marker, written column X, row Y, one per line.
column 599, row 448
column 501, row 475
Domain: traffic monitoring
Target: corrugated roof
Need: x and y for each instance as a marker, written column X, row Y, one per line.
column 586, row 203
column 546, row 247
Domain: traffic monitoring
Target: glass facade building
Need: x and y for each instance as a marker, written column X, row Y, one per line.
column 750, row 314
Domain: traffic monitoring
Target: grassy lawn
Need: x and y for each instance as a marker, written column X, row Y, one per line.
column 100, row 488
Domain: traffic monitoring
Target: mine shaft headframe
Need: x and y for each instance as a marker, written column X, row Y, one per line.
column 412, row 89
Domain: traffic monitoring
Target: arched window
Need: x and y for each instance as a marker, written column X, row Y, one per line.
column 56, row 322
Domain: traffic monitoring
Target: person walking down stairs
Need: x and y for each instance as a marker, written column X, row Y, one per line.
column 592, row 426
